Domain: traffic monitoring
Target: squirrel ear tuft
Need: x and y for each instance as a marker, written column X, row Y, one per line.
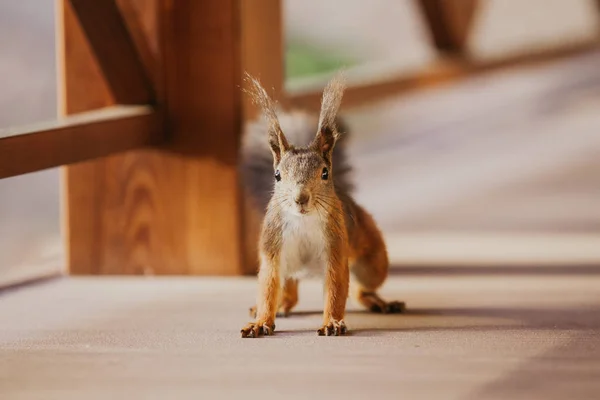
column 327, row 133
column 277, row 140
column 278, row 144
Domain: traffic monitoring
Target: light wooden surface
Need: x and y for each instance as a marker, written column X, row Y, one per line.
column 468, row 336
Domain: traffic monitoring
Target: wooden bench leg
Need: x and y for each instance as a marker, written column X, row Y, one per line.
column 175, row 209
column 449, row 22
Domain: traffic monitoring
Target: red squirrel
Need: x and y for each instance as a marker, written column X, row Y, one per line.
column 311, row 226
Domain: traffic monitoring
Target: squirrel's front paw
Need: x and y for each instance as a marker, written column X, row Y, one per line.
column 256, row 329
column 333, row 328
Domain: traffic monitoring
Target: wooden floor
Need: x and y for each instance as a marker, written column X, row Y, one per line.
column 525, row 334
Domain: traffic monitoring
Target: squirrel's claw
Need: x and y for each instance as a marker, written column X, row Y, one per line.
column 393, row 307
column 254, row 330
column 333, row 328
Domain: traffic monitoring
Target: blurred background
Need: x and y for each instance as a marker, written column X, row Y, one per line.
column 499, row 168
column 30, row 237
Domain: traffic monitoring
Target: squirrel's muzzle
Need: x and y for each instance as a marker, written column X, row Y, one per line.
column 302, row 198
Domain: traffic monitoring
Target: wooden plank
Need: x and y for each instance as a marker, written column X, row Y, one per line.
column 174, row 209
column 262, row 56
column 90, row 90
column 263, row 47
column 449, row 22
column 446, row 70
column 203, row 76
column 77, row 138
column 114, row 50
column 82, row 87
column 141, row 21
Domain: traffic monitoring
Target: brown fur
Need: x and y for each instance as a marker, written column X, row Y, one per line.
column 307, row 212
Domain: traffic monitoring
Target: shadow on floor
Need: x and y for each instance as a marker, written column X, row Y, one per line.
column 495, row 270
column 470, row 319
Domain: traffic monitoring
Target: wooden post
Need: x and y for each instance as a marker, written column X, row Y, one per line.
column 449, row 22
column 174, row 209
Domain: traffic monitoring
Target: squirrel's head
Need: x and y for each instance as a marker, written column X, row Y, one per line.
column 303, row 175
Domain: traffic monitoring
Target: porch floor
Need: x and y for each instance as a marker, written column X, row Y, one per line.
column 468, row 334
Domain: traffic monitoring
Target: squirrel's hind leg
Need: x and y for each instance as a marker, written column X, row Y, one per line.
column 369, row 266
column 374, row 303
column 368, row 275
column 289, row 299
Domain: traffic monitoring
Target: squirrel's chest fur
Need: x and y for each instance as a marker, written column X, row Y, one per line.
column 303, row 249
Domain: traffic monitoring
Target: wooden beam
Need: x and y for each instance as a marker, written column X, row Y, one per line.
column 115, row 51
column 263, row 47
column 175, row 209
column 77, row 138
column 262, row 56
column 202, row 64
column 446, row 70
column 449, row 22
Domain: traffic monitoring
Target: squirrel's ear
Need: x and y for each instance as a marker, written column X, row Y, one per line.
column 278, row 144
column 325, row 141
column 259, row 96
column 327, row 133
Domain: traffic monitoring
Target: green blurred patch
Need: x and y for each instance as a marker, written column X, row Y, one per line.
column 303, row 60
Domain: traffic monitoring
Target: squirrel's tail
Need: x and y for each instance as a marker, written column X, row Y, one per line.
column 300, row 129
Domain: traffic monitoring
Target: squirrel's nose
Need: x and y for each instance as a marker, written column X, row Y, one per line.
column 302, row 199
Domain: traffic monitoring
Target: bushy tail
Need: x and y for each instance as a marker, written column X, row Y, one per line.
column 299, row 128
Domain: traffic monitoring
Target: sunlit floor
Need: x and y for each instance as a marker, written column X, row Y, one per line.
column 469, row 334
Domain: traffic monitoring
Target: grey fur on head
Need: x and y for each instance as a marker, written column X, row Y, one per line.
column 299, row 128
column 256, row 167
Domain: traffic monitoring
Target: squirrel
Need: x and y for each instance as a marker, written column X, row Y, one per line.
column 311, row 225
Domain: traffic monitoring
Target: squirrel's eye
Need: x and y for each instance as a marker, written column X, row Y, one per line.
column 277, row 176
column 325, row 174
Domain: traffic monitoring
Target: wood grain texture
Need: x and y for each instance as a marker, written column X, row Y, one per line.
column 141, row 20
column 262, row 56
column 114, row 50
column 79, row 138
column 84, row 88
column 174, row 209
column 203, row 98
column 449, row 22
